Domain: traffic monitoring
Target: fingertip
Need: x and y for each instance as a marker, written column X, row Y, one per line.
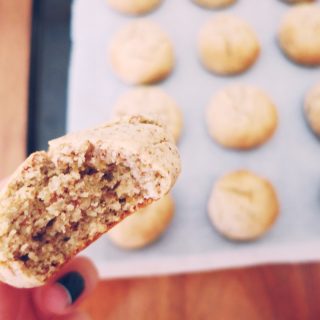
column 72, row 284
column 52, row 299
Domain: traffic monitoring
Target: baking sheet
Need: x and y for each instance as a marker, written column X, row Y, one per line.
column 290, row 160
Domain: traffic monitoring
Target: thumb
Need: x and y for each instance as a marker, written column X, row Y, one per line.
column 73, row 284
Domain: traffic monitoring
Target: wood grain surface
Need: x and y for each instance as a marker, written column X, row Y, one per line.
column 262, row 293
column 280, row 292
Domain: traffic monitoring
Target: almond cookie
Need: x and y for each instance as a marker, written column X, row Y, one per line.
column 297, row 1
column 214, row 3
column 299, row 34
column 227, row 45
column 312, row 108
column 134, row 7
column 144, row 226
column 60, row 201
column 241, row 117
column 141, row 53
column 152, row 102
column 243, row 206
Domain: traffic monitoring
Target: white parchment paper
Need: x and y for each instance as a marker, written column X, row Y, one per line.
column 291, row 160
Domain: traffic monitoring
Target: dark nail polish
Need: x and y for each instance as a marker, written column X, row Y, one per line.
column 74, row 284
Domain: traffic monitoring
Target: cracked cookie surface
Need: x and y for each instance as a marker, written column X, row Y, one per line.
column 312, row 108
column 243, row 206
column 227, row 45
column 141, row 53
column 241, row 117
column 144, row 226
column 134, row 7
column 151, row 102
column 214, row 3
column 299, row 34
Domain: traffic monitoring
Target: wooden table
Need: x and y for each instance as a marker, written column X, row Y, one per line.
column 279, row 292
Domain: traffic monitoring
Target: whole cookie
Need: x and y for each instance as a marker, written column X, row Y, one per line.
column 214, row 3
column 243, row 206
column 299, row 34
column 227, row 45
column 296, row 1
column 151, row 101
column 141, row 53
column 134, row 6
column 312, row 108
column 144, row 226
column 241, row 116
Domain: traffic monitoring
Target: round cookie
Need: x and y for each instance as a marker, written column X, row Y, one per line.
column 144, row 226
column 141, row 53
column 227, row 45
column 296, row 1
column 312, row 108
column 214, row 3
column 243, row 206
column 241, row 117
column 134, row 7
column 151, row 101
column 299, row 34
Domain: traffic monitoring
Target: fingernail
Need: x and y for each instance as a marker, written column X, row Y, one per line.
column 74, row 285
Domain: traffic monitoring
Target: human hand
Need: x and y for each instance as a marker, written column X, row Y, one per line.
column 57, row 300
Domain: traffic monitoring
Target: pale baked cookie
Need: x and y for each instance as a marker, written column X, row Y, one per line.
column 214, row 3
column 241, row 116
column 134, row 6
column 144, row 226
column 299, row 34
column 243, row 206
column 141, row 53
column 312, row 108
column 297, row 1
column 152, row 102
column 60, row 201
column 227, row 45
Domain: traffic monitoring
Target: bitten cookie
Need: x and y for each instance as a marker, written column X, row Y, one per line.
column 152, row 102
column 214, row 3
column 227, row 45
column 299, row 34
column 241, row 117
column 312, row 108
column 243, row 206
column 141, row 53
column 60, row 201
column 144, row 226
column 134, row 6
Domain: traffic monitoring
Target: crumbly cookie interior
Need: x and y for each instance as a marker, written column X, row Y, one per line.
column 55, row 209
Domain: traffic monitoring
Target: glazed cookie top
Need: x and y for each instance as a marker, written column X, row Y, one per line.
column 227, row 45
column 312, row 108
column 141, row 53
column 134, row 6
column 299, row 34
column 153, row 102
column 214, row 3
column 243, row 206
column 241, row 116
